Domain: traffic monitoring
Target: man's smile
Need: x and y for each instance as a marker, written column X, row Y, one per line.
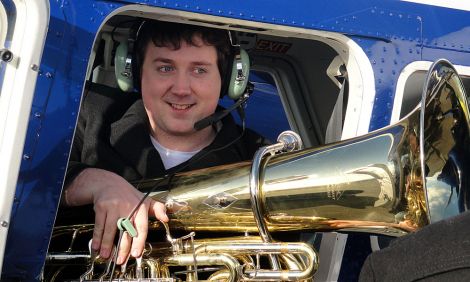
column 180, row 106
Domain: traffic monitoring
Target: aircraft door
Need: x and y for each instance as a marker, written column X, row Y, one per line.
column 23, row 28
column 7, row 16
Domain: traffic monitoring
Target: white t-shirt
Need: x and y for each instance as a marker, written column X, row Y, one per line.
column 171, row 158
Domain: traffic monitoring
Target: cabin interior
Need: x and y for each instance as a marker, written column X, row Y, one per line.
column 297, row 80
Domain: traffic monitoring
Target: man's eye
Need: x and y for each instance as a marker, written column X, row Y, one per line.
column 165, row 68
column 200, row 70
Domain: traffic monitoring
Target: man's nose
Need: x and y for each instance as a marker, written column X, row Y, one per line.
column 182, row 84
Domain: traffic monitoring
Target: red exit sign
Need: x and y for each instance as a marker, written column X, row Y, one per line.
column 272, row 46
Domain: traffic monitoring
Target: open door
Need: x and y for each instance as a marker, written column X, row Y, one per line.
column 23, row 27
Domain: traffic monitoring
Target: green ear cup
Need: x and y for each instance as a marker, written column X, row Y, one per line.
column 123, row 76
column 237, row 88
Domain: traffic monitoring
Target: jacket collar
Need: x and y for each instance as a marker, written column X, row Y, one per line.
column 130, row 138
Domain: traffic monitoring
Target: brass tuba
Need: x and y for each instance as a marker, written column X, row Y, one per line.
column 391, row 181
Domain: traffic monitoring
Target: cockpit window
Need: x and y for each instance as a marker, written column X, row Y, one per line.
column 413, row 88
column 264, row 110
column 410, row 87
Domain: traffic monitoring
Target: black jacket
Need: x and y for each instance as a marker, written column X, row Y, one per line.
column 438, row 252
column 113, row 134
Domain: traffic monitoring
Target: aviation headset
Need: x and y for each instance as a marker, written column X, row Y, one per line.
column 234, row 80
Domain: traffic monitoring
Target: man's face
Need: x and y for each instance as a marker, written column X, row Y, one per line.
column 179, row 87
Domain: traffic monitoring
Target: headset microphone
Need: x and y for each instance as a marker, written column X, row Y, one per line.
column 215, row 117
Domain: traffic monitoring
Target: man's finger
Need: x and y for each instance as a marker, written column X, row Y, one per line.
column 141, row 225
column 100, row 219
column 124, row 248
column 158, row 210
column 108, row 236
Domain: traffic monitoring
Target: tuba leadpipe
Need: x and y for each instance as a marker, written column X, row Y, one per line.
column 373, row 183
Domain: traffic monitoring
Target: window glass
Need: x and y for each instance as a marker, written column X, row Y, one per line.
column 412, row 92
column 414, row 88
column 264, row 111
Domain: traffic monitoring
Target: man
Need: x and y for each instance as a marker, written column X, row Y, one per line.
column 121, row 138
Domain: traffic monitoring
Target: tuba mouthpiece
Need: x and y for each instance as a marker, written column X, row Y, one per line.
column 291, row 141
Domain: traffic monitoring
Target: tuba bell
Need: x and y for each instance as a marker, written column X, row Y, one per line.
column 391, row 181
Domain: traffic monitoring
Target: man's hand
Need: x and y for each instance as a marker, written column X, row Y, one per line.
column 113, row 197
